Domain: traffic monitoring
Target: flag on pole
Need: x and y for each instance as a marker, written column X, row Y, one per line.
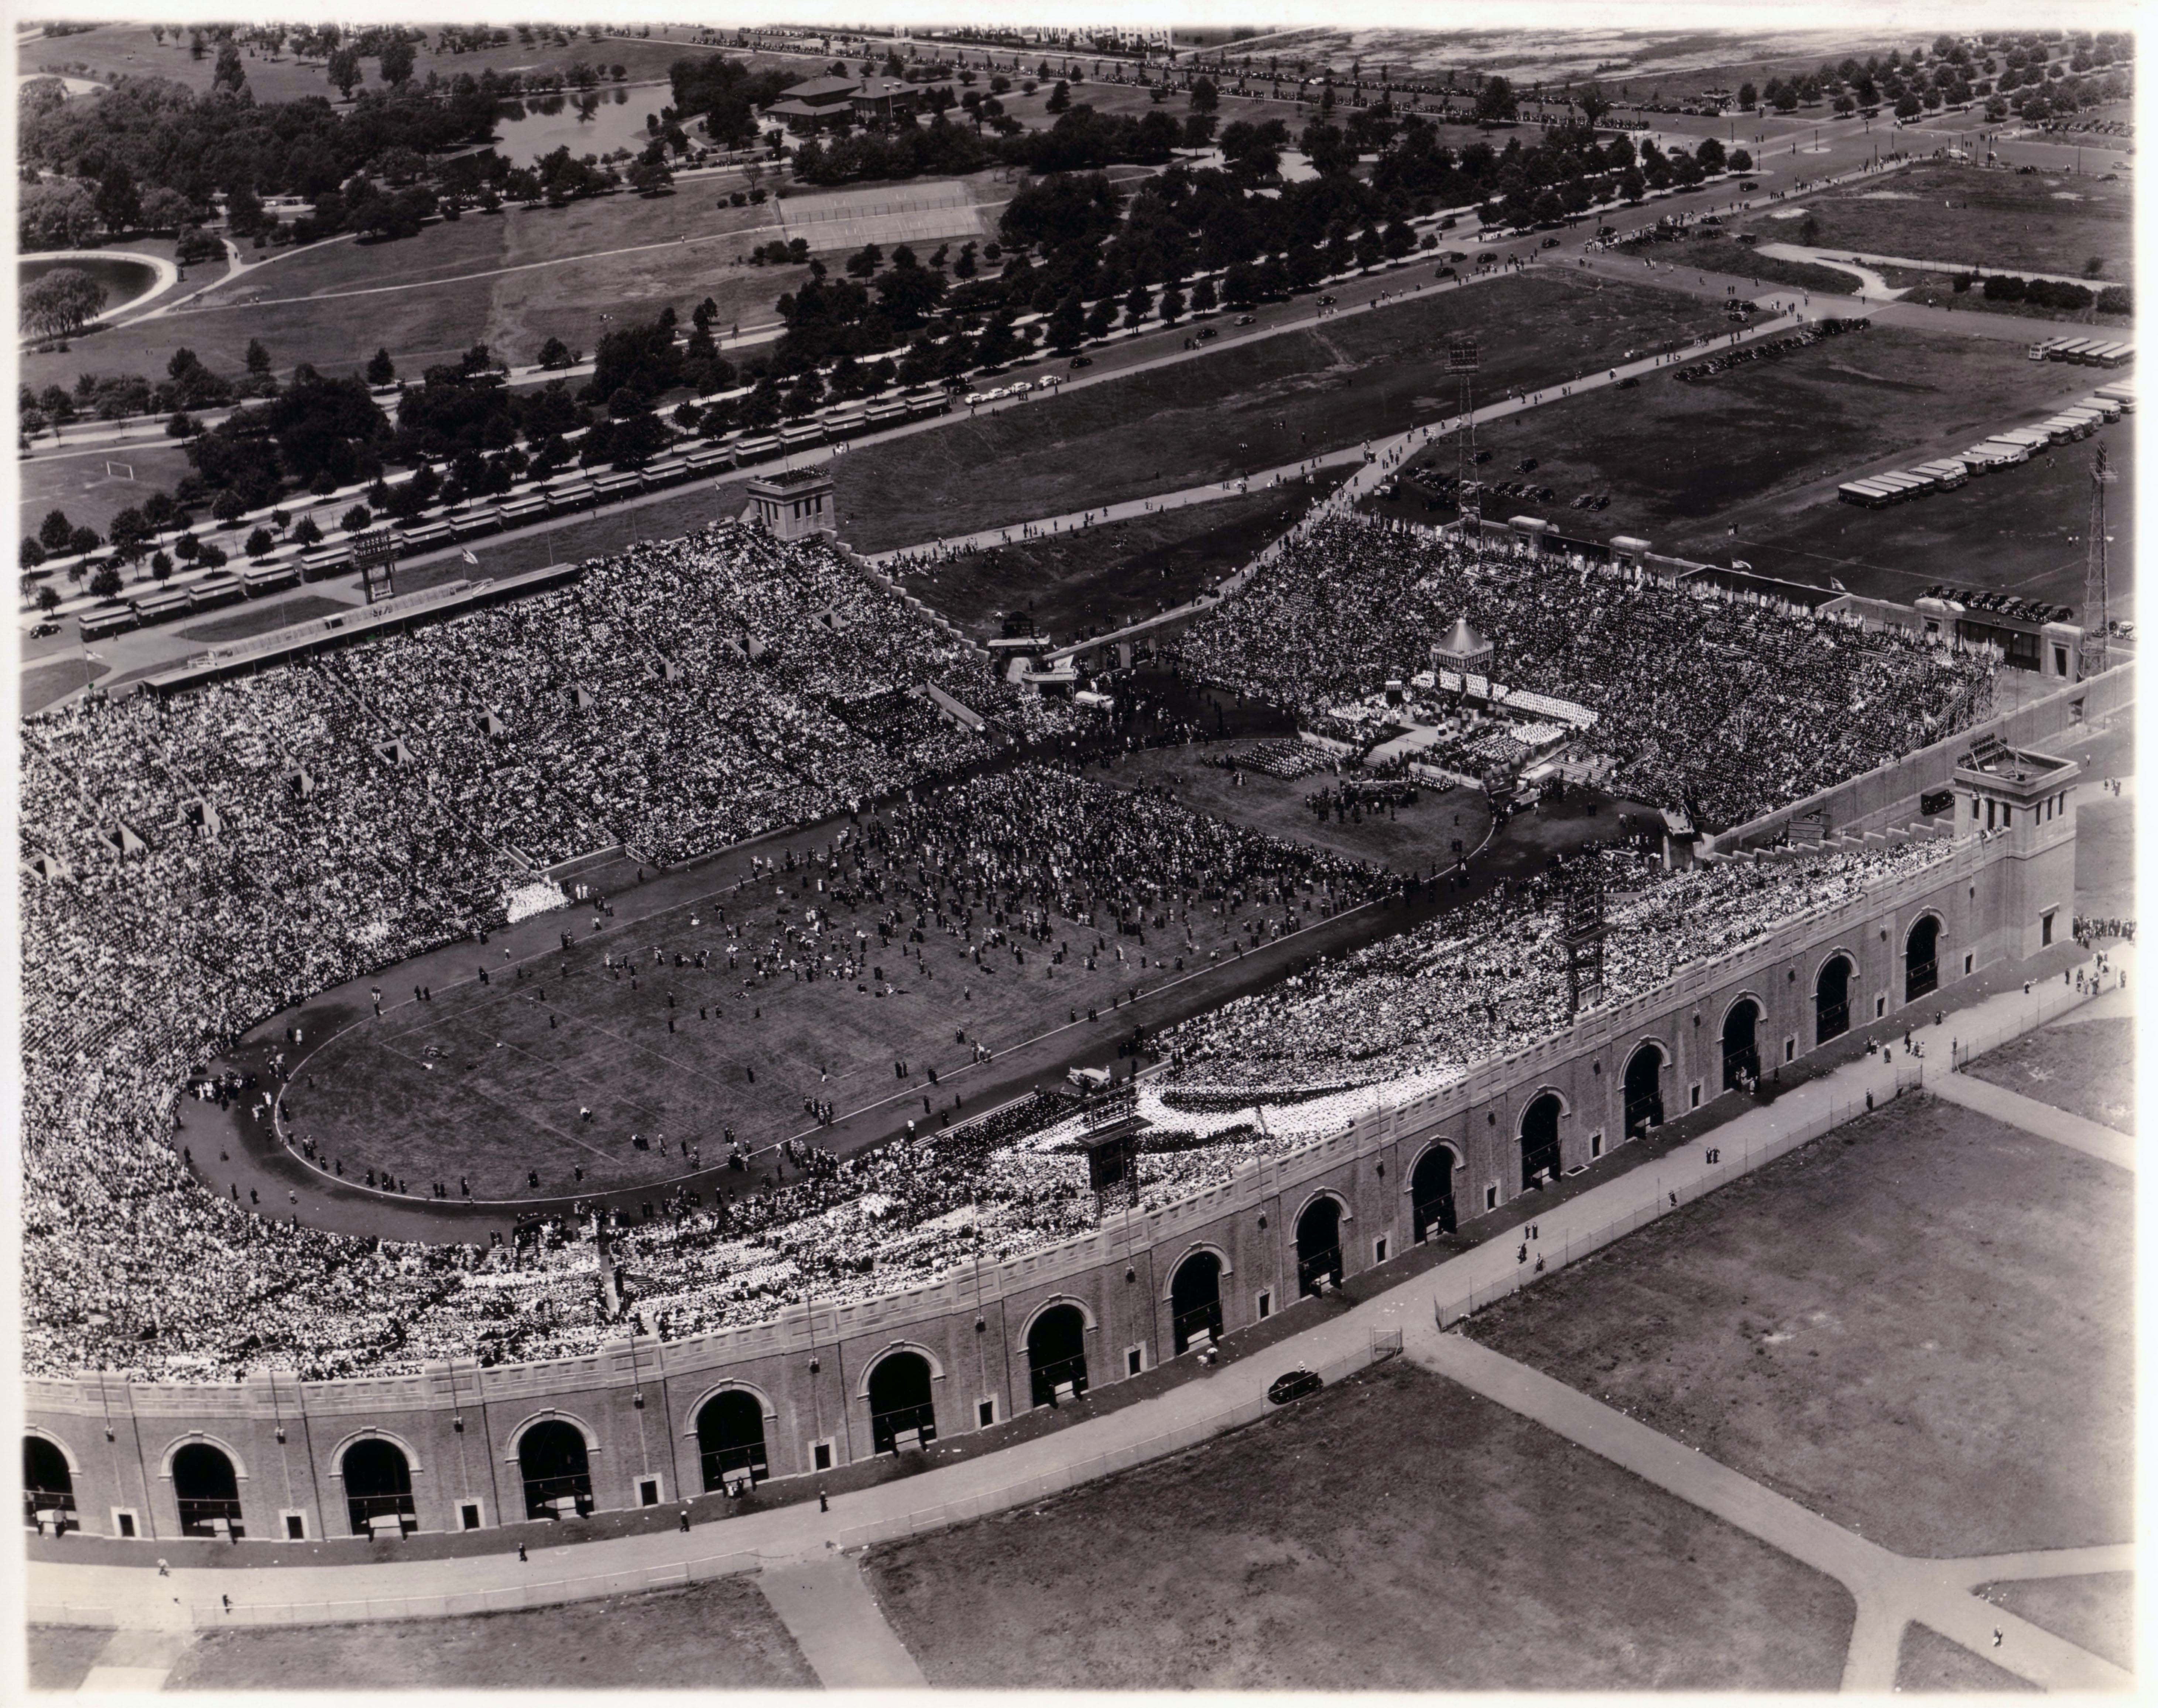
column 94, row 658
column 466, row 555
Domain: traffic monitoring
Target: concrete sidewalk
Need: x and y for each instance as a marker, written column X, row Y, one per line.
column 823, row 1602
column 1231, row 1395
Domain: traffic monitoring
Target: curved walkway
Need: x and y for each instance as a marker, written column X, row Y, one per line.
column 1872, row 286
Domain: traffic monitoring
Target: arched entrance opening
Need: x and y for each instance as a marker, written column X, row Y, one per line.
column 378, row 1485
column 1922, row 972
column 47, row 1487
column 1832, row 1000
column 1194, row 1299
column 1540, row 1156
column 207, row 1492
column 730, row 1439
column 1431, row 1193
column 1319, row 1246
column 1057, row 1354
column 558, row 1472
column 1742, row 1048
column 1644, row 1090
column 902, row 1402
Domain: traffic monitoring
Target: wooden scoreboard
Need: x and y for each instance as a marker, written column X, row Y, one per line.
column 375, row 552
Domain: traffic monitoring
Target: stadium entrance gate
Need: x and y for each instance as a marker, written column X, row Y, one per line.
column 901, row 1402
column 730, row 1439
column 1922, row 972
column 1431, row 1193
column 1539, row 1152
column 1057, row 1354
column 1741, row 1048
column 1319, row 1246
column 1644, row 1091
column 378, row 1484
column 48, row 1485
column 1832, row 1000
column 1195, row 1298
column 206, row 1490
column 558, row 1474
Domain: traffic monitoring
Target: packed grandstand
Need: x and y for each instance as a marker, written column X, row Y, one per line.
column 1719, row 708
column 213, row 855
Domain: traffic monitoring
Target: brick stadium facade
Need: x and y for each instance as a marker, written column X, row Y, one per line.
column 642, row 1421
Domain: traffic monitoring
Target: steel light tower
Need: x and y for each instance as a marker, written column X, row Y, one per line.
column 1461, row 362
column 2097, row 615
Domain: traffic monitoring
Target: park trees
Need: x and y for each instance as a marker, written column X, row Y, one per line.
column 1496, row 101
column 55, row 216
column 61, row 304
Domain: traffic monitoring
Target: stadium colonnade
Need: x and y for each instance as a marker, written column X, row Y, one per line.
column 642, row 1421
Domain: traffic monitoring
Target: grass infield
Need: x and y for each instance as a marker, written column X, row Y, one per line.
column 1919, row 1327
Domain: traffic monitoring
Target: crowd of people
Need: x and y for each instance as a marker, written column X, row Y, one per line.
column 1414, row 1012
column 1710, row 703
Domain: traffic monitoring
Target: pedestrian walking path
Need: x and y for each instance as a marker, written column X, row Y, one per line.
column 1890, row 1590
column 138, row 1660
column 822, row 1600
column 1871, row 286
column 2014, row 1109
column 1225, row 1397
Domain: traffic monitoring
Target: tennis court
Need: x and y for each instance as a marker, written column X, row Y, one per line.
column 846, row 219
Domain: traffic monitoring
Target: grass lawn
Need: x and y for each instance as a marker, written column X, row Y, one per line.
column 487, row 1081
column 2050, row 222
column 1930, row 1664
column 1918, row 1326
column 60, row 1656
column 1090, row 581
column 56, row 478
column 2087, row 1067
column 1395, row 1533
column 1359, row 374
column 2096, row 1613
column 1413, row 839
column 2105, row 850
column 1936, row 290
column 1764, row 447
column 717, row 1636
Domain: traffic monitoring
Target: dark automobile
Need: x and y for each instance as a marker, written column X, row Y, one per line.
column 1209, row 331
column 1550, row 243
column 1294, row 1384
column 1327, row 300
column 1247, row 320
column 1082, row 361
column 41, row 630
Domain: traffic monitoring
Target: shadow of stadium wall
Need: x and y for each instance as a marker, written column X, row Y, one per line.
column 637, row 1401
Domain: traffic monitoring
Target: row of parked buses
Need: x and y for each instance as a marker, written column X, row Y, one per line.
column 2092, row 352
column 566, row 492
column 2109, row 403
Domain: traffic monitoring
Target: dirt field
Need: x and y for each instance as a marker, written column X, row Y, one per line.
column 1086, row 582
column 2087, row 1067
column 1918, row 1326
column 2050, row 222
column 1763, row 448
column 1396, row 1533
column 717, row 1636
column 1357, row 374
column 60, row 1656
column 2096, row 1613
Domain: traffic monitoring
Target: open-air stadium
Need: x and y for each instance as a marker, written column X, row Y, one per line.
column 840, row 1011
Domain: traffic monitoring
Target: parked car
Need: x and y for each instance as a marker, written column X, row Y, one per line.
column 1327, row 300
column 1082, row 361
column 975, row 398
column 1209, row 331
column 1247, row 320
column 996, row 395
column 1294, row 1384
column 39, row 631
column 1550, row 243
column 1020, row 387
